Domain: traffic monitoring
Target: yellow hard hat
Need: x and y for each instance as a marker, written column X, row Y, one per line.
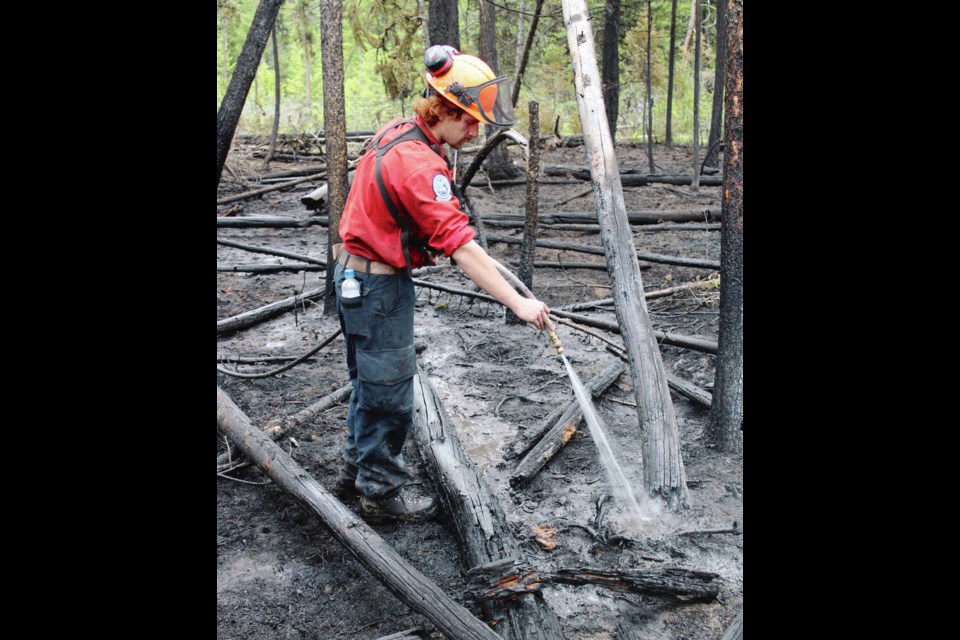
column 468, row 82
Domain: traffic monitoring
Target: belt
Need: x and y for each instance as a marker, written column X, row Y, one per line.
column 358, row 263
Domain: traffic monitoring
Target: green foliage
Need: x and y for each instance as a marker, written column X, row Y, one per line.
column 383, row 48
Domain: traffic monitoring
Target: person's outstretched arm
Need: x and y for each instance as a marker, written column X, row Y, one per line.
column 477, row 265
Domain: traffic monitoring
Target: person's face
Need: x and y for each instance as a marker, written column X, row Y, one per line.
column 457, row 133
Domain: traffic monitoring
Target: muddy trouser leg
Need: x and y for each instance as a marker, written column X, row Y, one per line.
column 381, row 361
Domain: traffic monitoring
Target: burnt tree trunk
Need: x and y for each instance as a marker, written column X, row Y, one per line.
column 668, row 137
column 727, row 410
column 696, row 98
column 243, row 74
column 663, row 473
column 444, row 24
column 529, row 245
column 651, row 166
column 335, row 126
column 716, row 114
column 386, row 565
column 276, row 101
column 477, row 516
column 611, row 64
column 498, row 166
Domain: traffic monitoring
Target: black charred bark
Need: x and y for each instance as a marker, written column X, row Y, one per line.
column 243, row 74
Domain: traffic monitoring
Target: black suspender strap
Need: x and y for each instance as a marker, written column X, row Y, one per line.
column 414, row 133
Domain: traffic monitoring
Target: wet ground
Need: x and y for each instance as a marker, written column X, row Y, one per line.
column 281, row 574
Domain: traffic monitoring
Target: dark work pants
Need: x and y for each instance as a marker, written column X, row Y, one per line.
column 378, row 334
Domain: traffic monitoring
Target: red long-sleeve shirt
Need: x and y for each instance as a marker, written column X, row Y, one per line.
column 418, row 181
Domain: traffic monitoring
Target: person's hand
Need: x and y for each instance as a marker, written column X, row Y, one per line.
column 533, row 311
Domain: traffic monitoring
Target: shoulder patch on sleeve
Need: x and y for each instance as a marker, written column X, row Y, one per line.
column 441, row 188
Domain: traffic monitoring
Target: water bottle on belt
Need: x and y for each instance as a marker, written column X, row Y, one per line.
column 350, row 289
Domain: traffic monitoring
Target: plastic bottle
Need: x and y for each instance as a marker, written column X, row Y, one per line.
column 351, row 286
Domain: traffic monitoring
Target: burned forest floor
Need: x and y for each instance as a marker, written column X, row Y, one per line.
column 281, row 574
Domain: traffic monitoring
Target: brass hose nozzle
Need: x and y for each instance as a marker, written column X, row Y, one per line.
column 555, row 342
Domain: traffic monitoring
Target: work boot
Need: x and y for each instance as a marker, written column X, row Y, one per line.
column 397, row 508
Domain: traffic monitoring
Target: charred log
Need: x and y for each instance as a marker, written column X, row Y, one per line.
column 386, row 565
column 479, row 520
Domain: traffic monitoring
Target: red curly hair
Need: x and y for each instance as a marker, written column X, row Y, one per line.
column 433, row 109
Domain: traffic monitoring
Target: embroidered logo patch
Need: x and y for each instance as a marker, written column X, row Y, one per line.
column 441, row 187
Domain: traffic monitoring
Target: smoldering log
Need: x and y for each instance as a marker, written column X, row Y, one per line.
column 268, row 251
column 255, row 316
column 673, row 582
column 479, row 520
column 631, row 178
column 386, row 565
column 563, row 415
column 507, row 580
column 582, row 248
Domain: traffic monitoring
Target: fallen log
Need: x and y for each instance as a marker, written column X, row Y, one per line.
column 690, row 391
column 686, row 389
column 478, row 519
column 255, row 316
column 279, row 427
column 631, row 178
column 563, row 414
column 547, row 264
column 588, row 227
column 687, row 342
column 259, row 221
column 506, row 580
column 582, row 248
column 268, row 251
column 540, row 453
column 649, row 295
column 673, row 582
column 386, row 565
column 275, row 187
column 270, row 268
column 649, row 217
column 417, row 633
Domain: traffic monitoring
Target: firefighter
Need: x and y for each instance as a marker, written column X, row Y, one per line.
column 401, row 212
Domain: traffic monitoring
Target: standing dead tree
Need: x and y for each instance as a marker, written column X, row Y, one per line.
column 727, row 410
column 477, row 516
column 663, row 473
column 389, row 567
column 243, row 74
column 335, row 123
